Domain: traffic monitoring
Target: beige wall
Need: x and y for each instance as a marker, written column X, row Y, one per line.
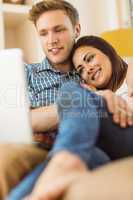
column 97, row 16
column 124, row 13
column 1, row 31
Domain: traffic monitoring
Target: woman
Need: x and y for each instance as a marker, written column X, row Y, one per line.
column 98, row 63
column 101, row 68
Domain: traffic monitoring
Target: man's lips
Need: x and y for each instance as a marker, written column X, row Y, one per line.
column 55, row 50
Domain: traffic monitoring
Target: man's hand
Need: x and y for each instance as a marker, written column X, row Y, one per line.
column 122, row 113
column 62, row 170
column 129, row 79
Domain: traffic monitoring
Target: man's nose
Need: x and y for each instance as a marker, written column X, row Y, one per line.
column 52, row 38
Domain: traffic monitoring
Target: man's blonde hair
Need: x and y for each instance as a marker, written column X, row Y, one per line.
column 48, row 5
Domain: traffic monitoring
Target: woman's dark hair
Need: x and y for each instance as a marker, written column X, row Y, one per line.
column 119, row 67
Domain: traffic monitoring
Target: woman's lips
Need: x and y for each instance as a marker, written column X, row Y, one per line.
column 96, row 75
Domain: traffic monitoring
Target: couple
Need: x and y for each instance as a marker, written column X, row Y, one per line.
column 57, row 28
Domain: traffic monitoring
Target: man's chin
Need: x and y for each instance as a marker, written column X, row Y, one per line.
column 58, row 62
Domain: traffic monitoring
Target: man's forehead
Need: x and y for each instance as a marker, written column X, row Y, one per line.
column 52, row 19
column 55, row 15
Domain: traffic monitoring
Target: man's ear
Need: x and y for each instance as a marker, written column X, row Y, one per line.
column 77, row 30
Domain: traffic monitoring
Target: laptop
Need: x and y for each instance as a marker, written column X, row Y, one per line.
column 15, row 126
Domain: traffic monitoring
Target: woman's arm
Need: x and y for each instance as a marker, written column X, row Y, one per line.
column 122, row 113
column 129, row 79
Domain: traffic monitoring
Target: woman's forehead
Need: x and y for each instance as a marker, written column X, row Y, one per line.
column 83, row 50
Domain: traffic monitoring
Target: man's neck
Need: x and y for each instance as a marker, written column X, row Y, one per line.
column 62, row 67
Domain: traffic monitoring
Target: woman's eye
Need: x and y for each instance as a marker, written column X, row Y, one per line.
column 90, row 58
column 80, row 71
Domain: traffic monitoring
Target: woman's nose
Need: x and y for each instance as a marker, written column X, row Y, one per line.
column 90, row 69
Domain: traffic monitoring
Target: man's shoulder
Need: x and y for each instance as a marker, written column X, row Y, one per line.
column 43, row 65
column 32, row 66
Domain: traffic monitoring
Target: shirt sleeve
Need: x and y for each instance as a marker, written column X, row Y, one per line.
column 31, row 93
column 123, row 91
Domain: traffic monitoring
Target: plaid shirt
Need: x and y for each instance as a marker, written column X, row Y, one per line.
column 44, row 83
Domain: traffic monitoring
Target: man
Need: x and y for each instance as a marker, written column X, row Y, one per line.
column 57, row 30
column 58, row 26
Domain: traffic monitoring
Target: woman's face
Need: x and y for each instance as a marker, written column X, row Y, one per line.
column 93, row 66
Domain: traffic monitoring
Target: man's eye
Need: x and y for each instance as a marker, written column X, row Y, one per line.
column 60, row 30
column 43, row 34
column 90, row 58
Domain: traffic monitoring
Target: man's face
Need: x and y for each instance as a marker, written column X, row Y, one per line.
column 57, row 35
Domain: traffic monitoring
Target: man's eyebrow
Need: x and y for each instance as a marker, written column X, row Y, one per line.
column 58, row 26
column 55, row 27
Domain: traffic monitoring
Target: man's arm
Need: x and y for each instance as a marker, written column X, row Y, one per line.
column 129, row 79
column 44, row 118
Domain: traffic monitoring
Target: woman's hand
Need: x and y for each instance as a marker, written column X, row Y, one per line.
column 122, row 113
